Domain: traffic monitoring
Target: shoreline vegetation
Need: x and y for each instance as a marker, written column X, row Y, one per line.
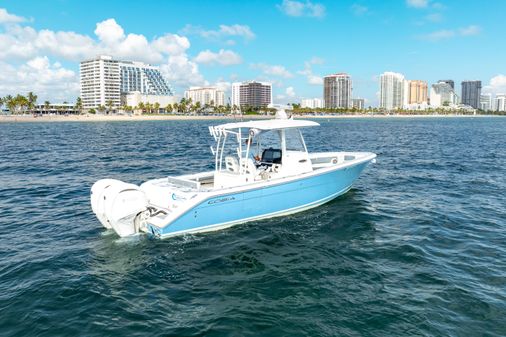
column 161, row 117
column 25, row 109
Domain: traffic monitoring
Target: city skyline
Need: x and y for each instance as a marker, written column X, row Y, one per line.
column 42, row 44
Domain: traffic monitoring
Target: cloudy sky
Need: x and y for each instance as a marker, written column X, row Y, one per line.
column 290, row 43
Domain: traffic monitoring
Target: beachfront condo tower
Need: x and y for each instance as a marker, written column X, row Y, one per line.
column 312, row 103
column 337, row 91
column 210, row 96
column 251, row 94
column 392, row 90
column 105, row 80
column 451, row 83
column 417, row 92
column 471, row 93
column 442, row 94
column 486, row 102
column 358, row 103
column 500, row 102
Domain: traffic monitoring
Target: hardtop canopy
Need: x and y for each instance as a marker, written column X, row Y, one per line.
column 270, row 124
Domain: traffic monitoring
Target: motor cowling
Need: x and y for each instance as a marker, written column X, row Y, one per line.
column 117, row 204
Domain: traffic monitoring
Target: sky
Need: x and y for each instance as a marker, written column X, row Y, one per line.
column 292, row 44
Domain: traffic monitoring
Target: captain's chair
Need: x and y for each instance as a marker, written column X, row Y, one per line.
column 271, row 156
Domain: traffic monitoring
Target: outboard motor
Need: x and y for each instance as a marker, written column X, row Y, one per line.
column 117, row 204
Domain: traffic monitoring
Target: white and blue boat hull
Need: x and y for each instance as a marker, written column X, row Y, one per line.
column 257, row 202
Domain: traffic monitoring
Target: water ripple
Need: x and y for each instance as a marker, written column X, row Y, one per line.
column 415, row 248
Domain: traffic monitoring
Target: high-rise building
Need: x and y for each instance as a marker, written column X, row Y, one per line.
column 358, row 103
column 144, row 78
column 500, row 102
column 337, row 91
column 486, row 102
column 451, row 83
column 471, row 91
column 251, row 94
column 392, row 90
column 105, row 80
column 312, row 103
column 100, row 82
column 417, row 92
column 206, row 96
column 442, row 94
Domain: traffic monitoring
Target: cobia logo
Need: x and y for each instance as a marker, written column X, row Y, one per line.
column 216, row 201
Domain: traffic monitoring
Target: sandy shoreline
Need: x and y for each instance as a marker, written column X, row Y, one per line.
column 120, row 118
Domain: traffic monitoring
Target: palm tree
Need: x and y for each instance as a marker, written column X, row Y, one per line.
column 149, row 107
column 168, row 108
column 63, row 107
column 1, row 103
column 197, row 106
column 21, row 102
column 109, row 106
column 79, row 105
column 101, row 108
column 182, row 106
column 141, row 107
column 157, row 107
column 9, row 103
column 46, row 106
column 31, row 100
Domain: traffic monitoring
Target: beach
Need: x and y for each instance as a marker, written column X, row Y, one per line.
column 160, row 117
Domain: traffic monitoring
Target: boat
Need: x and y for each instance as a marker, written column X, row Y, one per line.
column 262, row 169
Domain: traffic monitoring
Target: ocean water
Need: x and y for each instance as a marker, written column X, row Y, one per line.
column 416, row 248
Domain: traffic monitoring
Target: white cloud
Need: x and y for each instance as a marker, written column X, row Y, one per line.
column 172, row 44
column 274, row 70
column 439, row 35
column 222, row 57
column 298, row 8
column 69, row 45
column 109, row 32
column 290, row 92
column 450, row 33
column 496, row 85
column 49, row 81
column 237, row 30
column 224, row 32
column 179, row 70
column 223, row 85
column 434, row 17
column 6, row 17
column 308, row 71
column 359, row 9
column 22, row 43
column 417, row 3
column 470, row 30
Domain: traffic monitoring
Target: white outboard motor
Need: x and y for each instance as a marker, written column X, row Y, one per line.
column 97, row 197
column 117, row 204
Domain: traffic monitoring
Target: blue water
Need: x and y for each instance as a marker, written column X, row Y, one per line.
column 417, row 247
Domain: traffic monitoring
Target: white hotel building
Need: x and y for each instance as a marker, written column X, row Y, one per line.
column 392, row 90
column 104, row 79
column 500, row 102
column 206, row 96
column 312, row 103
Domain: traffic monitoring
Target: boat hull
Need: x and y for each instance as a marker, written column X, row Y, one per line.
column 225, row 210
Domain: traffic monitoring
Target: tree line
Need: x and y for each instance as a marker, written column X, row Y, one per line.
column 297, row 109
column 20, row 104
